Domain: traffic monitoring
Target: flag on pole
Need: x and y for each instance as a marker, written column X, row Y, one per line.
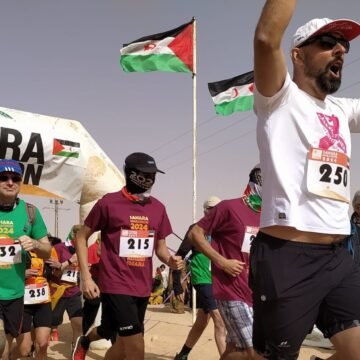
column 232, row 95
column 170, row 51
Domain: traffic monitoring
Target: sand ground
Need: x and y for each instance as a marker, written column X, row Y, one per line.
column 165, row 333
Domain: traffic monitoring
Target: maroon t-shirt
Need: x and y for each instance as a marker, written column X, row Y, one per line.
column 112, row 215
column 227, row 224
column 64, row 254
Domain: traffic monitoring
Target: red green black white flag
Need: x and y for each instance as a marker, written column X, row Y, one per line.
column 233, row 95
column 66, row 148
column 170, row 51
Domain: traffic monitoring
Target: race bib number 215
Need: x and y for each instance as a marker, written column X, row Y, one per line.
column 136, row 243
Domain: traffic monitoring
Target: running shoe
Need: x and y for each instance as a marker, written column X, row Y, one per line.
column 54, row 336
column 81, row 348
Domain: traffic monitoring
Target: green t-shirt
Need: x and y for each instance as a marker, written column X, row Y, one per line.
column 200, row 267
column 12, row 225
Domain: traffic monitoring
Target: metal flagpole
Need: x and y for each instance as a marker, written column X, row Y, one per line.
column 194, row 152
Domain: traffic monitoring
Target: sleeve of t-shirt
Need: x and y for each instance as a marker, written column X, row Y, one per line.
column 165, row 228
column 96, row 219
column 213, row 222
column 354, row 118
column 38, row 228
column 264, row 106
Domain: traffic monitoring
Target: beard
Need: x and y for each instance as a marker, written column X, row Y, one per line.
column 325, row 83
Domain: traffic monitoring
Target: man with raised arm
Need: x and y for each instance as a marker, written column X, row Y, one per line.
column 301, row 273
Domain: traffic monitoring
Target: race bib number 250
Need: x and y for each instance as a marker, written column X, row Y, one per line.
column 328, row 174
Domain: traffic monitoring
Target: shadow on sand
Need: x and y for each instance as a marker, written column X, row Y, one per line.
column 164, row 309
column 151, row 356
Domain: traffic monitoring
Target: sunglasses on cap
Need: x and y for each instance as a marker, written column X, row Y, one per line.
column 327, row 42
column 13, row 178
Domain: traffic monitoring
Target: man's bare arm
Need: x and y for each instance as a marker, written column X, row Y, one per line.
column 269, row 61
column 230, row 266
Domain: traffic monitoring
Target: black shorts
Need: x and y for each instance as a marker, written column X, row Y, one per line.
column 72, row 305
column 11, row 313
column 122, row 314
column 205, row 298
column 296, row 285
column 39, row 315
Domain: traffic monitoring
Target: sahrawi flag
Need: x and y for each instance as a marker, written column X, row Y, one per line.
column 232, row 95
column 66, row 148
column 168, row 51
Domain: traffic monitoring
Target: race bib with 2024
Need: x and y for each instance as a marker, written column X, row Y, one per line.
column 136, row 243
column 328, row 174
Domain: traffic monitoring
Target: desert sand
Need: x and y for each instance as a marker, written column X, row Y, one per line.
column 165, row 333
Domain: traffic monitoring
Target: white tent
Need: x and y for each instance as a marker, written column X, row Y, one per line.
column 60, row 158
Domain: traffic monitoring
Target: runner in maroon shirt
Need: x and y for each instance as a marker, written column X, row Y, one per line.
column 133, row 225
column 232, row 225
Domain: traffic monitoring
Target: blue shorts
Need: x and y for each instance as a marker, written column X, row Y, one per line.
column 205, row 298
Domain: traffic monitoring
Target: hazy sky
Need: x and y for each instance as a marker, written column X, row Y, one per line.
column 61, row 58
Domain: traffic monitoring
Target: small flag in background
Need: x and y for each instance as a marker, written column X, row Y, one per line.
column 66, row 148
column 168, row 51
column 232, row 95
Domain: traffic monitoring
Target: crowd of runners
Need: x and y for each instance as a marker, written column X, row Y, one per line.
column 267, row 266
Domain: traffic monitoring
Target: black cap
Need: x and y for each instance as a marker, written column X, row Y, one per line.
column 143, row 162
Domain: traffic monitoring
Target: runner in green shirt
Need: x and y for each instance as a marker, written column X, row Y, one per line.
column 19, row 233
column 201, row 279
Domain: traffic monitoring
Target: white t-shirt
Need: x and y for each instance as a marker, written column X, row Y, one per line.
column 290, row 123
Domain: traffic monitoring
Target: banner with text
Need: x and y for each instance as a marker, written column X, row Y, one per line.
column 59, row 157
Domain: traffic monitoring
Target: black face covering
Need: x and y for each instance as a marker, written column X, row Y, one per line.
column 138, row 182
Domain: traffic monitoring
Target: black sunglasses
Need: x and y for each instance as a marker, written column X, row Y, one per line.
column 14, row 179
column 327, row 42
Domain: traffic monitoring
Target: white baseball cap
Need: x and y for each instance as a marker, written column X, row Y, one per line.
column 349, row 29
column 211, row 202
